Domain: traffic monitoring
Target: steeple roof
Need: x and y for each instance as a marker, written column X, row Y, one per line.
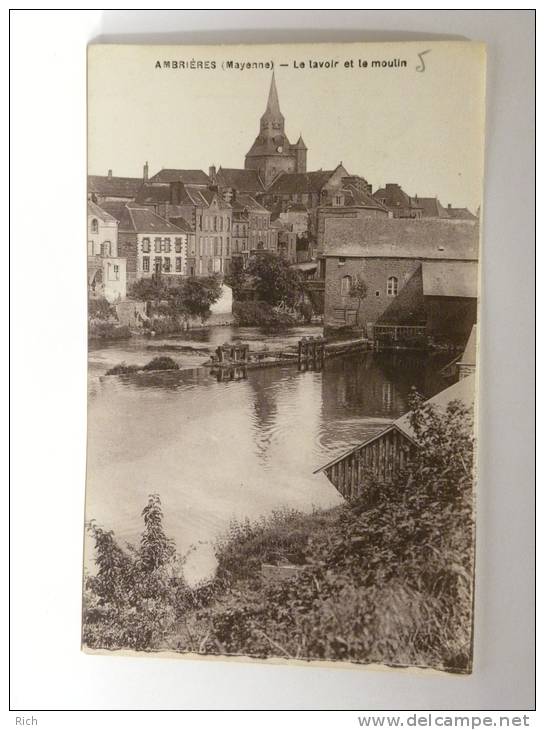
column 273, row 106
column 300, row 145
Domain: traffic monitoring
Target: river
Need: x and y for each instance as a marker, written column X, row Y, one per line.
column 216, row 451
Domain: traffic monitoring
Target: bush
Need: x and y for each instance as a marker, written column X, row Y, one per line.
column 161, row 363
column 389, row 576
column 101, row 309
column 261, row 314
column 133, row 600
column 108, row 331
column 123, row 369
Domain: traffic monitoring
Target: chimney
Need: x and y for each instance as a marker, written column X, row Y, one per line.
column 212, row 173
column 175, row 187
column 449, row 206
column 109, row 173
column 146, row 171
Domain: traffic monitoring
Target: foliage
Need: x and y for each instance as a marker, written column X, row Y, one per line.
column 260, row 314
column 133, row 600
column 389, row 575
column 274, row 281
column 123, row 369
column 195, row 296
column 236, row 278
column 358, row 291
column 161, row 363
column 187, row 298
column 108, row 331
column 101, row 309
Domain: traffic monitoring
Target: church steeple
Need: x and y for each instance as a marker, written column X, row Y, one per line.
column 272, row 153
column 272, row 117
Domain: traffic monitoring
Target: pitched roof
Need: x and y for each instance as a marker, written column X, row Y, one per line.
column 394, row 196
column 300, row 182
column 470, row 353
column 151, row 193
column 140, row 219
column 461, row 214
column 400, row 238
column 180, row 222
column 94, row 210
column 115, row 187
column 189, row 177
column 243, row 202
column 431, row 207
column 450, row 278
column 354, row 197
column 463, row 390
column 246, row 181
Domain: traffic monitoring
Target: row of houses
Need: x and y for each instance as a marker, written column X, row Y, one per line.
column 416, row 258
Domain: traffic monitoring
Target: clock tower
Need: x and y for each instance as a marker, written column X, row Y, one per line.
column 272, row 153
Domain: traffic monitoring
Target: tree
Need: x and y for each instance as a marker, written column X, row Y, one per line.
column 275, row 282
column 236, row 278
column 194, row 296
column 358, row 291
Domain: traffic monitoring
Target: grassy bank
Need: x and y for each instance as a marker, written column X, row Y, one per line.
column 385, row 578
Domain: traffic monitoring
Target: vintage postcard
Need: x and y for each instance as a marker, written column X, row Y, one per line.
column 283, row 292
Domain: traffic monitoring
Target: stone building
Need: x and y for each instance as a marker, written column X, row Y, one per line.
column 272, row 153
column 251, row 229
column 203, row 213
column 419, row 273
column 151, row 244
column 106, row 271
column 233, row 181
column 396, row 200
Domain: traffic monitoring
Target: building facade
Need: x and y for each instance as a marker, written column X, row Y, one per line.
column 415, row 273
column 150, row 244
column 106, row 270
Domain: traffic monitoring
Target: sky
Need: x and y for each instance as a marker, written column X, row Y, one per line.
column 423, row 130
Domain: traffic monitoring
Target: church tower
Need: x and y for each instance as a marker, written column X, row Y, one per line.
column 272, row 152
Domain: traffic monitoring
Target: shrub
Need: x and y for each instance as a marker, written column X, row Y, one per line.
column 123, row 369
column 260, row 314
column 101, row 309
column 108, row 331
column 133, row 600
column 161, row 363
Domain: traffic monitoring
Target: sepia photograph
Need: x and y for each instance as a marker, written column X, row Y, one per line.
column 283, row 282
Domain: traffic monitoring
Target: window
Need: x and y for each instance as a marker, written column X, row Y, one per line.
column 217, row 249
column 166, row 264
column 346, row 283
column 166, row 245
column 215, row 222
column 200, row 222
column 178, row 264
column 94, row 226
column 227, row 247
column 178, row 245
column 146, row 248
column 391, row 287
column 339, row 314
column 338, row 200
column 106, row 248
column 113, row 272
column 145, row 263
column 342, row 260
column 221, row 224
column 157, row 265
column 228, row 224
column 157, row 243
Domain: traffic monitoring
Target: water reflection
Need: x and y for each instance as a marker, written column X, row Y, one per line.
column 242, row 447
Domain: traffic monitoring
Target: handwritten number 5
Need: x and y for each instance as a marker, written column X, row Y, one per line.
column 422, row 66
